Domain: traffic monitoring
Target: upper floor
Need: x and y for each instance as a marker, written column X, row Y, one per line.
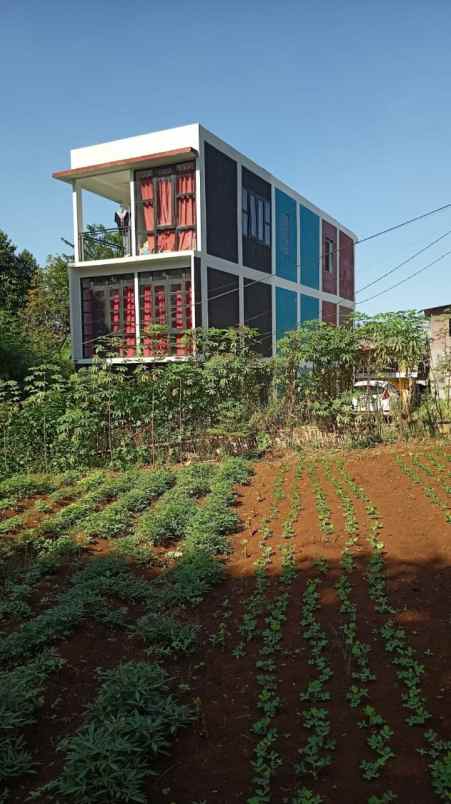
column 183, row 190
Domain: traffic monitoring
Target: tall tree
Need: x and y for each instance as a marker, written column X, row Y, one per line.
column 46, row 313
column 17, row 271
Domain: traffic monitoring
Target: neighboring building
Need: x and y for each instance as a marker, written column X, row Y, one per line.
column 440, row 347
column 209, row 238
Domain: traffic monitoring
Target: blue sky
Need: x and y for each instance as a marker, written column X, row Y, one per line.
column 347, row 102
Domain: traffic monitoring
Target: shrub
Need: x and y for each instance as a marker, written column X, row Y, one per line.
column 129, row 725
column 22, row 695
column 170, row 517
column 165, row 635
column 168, row 520
column 187, row 583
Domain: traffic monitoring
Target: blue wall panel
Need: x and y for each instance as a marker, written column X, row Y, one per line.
column 309, row 308
column 309, row 248
column 286, row 237
column 286, row 311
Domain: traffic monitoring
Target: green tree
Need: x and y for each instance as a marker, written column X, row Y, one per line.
column 17, row 272
column 45, row 316
column 394, row 341
column 100, row 243
column 16, row 348
column 314, row 366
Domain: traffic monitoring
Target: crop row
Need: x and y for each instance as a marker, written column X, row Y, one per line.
column 408, row 669
column 87, row 769
column 273, row 610
column 357, row 651
column 64, row 494
column 17, row 489
column 131, row 722
column 322, row 506
column 50, row 553
column 412, row 472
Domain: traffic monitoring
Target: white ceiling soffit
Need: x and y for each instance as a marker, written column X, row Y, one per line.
column 114, row 186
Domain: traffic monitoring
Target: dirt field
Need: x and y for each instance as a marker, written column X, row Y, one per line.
column 304, row 688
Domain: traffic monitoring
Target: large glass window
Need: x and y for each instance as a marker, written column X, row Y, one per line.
column 256, row 217
column 165, row 311
column 166, row 208
column 108, row 311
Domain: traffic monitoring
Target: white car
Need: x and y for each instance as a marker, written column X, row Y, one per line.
column 374, row 396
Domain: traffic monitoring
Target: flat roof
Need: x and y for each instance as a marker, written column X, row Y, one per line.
column 109, row 167
column 165, row 146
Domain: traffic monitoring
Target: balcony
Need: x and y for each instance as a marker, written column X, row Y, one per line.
column 100, row 243
column 154, row 211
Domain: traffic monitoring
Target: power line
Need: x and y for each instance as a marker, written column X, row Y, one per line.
column 337, row 250
column 406, row 279
column 403, row 223
column 404, row 262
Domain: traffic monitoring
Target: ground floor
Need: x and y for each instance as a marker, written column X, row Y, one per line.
column 143, row 307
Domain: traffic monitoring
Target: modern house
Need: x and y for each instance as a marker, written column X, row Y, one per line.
column 203, row 237
column 440, row 350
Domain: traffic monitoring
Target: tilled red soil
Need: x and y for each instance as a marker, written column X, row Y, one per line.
column 211, row 761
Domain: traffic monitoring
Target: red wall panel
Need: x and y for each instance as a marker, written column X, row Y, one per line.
column 330, row 313
column 329, row 277
column 346, row 253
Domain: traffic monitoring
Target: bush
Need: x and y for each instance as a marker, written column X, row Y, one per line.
column 168, row 520
column 165, row 635
column 129, row 725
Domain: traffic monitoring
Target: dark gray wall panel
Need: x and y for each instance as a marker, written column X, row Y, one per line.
column 256, row 255
column 255, row 184
column 258, row 313
column 221, row 204
column 223, row 299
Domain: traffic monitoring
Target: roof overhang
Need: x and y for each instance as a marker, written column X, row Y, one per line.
column 162, row 158
column 444, row 308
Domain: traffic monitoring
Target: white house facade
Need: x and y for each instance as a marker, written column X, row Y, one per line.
column 203, row 237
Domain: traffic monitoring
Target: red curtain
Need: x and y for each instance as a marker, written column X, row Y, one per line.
column 182, row 306
column 115, row 302
column 147, row 320
column 161, row 317
column 88, row 323
column 148, row 209
column 129, row 318
column 189, row 319
column 179, row 304
column 166, row 239
column 186, row 210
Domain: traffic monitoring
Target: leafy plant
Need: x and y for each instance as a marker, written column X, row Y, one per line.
column 129, row 724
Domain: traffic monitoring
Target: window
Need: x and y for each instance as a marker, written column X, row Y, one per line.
column 329, row 256
column 108, row 311
column 165, row 311
column 245, row 213
column 256, row 218
column 166, row 208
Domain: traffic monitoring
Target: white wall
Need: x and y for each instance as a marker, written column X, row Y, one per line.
column 156, row 142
